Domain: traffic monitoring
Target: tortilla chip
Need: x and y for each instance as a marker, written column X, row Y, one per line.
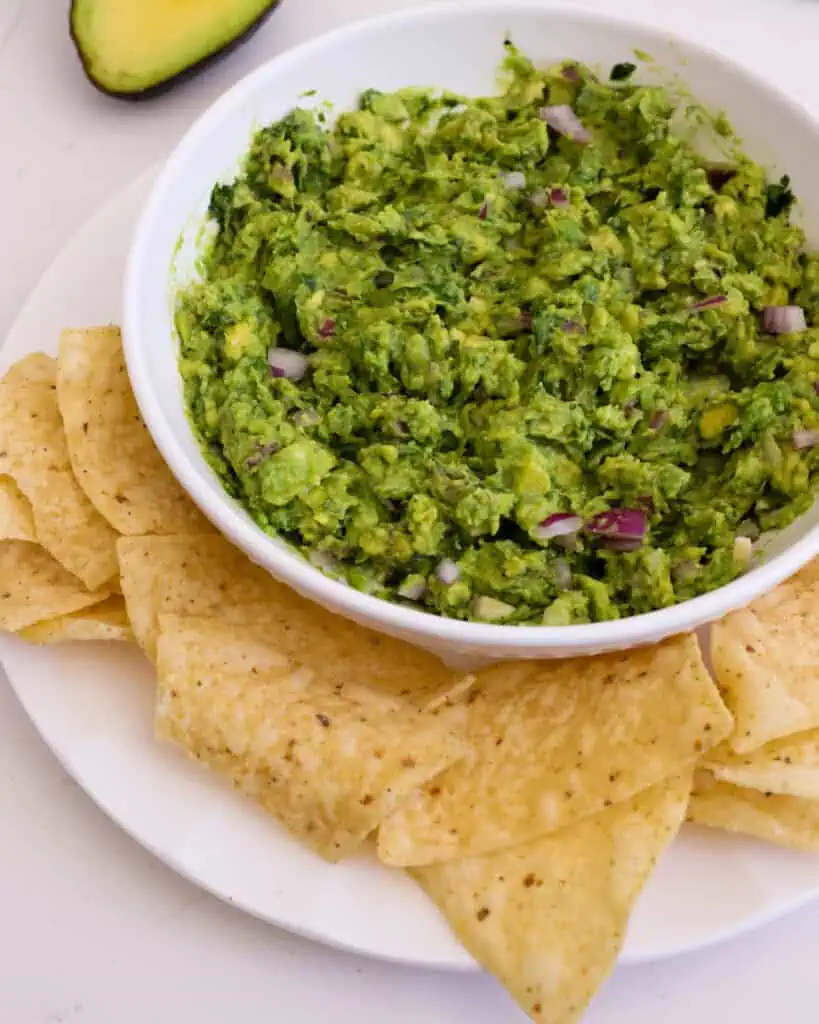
column 194, row 575
column 784, row 820
column 34, row 587
column 807, row 575
column 31, row 434
column 329, row 756
column 548, row 918
column 16, row 517
column 113, row 455
column 789, row 767
column 104, row 621
column 553, row 742
column 206, row 576
column 766, row 661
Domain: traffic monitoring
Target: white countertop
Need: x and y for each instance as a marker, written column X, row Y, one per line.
column 93, row 930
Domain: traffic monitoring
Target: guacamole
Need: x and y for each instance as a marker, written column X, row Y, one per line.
column 527, row 358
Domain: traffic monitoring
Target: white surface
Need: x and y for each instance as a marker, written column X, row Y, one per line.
column 457, row 47
column 93, row 705
column 93, row 929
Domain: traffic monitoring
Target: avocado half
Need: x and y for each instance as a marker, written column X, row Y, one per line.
column 136, row 48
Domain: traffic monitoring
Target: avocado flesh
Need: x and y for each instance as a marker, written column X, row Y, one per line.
column 135, row 47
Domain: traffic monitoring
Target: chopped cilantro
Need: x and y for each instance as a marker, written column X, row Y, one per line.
column 778, row 198
column 620, row 72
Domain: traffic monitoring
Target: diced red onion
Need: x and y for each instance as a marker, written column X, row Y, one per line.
column 619, row 524
column 558, row 197
column 484, row 211
column 783, row 319
column 561, row 524
column 328, row 328
column 621, row 544
column 565, row 122
column 573, row 327
column 447, row 572
column 570, row 72
column 805, row 438
column 563, row 574
column 658, row 420
column 262, row 452
column 412, row 590
column 284, row 362
column 709, row 303
column 538, row 198
column 514, row 179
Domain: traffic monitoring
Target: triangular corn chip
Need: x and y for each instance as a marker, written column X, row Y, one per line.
column 553, row 742
column 104, row 621
column 784, row 820
column 789, row 767
column 114, row 457
column 34, row 587
column 548, row 918
column 204, row 575
column 36, row 456
column 16, row 517
column 325, row 753
column 766, row 661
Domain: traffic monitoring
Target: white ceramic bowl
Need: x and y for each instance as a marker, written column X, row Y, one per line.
column 458, row 47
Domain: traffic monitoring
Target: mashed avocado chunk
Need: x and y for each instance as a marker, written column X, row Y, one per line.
column 523, row 358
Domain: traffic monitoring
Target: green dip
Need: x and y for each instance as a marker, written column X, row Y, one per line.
column 504, row 325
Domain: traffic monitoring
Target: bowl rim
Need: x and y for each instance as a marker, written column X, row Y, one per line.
column 295, row 570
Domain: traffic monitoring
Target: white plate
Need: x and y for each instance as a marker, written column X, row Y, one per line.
column 92, row 706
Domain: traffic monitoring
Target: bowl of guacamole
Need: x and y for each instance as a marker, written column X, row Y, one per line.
column 522, row 345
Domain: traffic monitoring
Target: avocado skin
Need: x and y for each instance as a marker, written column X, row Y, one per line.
column 166, row 83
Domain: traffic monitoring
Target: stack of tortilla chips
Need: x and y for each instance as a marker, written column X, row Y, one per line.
column 77, row 469
column 530, row 800
column 764, row 779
